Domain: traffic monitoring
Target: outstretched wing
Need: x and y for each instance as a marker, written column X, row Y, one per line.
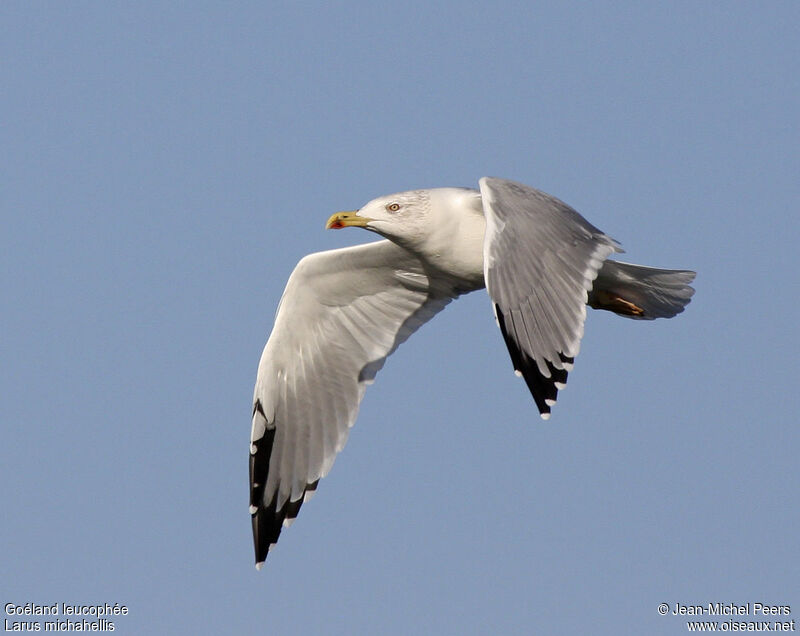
column 540, row 258
column 342, row 313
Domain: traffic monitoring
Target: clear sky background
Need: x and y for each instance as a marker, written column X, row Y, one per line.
column 164, row 167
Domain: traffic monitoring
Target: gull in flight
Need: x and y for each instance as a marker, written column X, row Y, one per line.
column 344, row 311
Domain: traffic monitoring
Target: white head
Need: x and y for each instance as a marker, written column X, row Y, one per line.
column 414, row 217
column 400, row 217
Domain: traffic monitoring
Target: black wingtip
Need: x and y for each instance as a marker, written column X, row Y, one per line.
column 543, row 389
column 267, row 519
column 268, row 522
column 266, row 525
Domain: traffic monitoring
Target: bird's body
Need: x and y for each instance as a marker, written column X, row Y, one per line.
column 344, row 311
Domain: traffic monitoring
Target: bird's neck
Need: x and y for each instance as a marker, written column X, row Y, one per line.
column 454, row 242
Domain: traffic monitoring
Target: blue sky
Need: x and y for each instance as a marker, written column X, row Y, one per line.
column 165, row 166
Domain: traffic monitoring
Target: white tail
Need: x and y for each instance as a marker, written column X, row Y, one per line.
column 644, row 293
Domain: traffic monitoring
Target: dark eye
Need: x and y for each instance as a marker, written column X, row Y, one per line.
column 393, row 207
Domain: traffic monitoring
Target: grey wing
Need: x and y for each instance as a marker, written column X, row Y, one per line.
column 540, row 258
column 342, row 313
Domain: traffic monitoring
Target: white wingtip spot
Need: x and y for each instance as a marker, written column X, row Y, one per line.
column 253, row 510
column 308, row 495
column 288, row 521
column 549, row 402
column 259, row 565
column 568, row 366
column 560, row 385
column 518, row 373
column 253, row 449
column 545, row 416
column 259, row 425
